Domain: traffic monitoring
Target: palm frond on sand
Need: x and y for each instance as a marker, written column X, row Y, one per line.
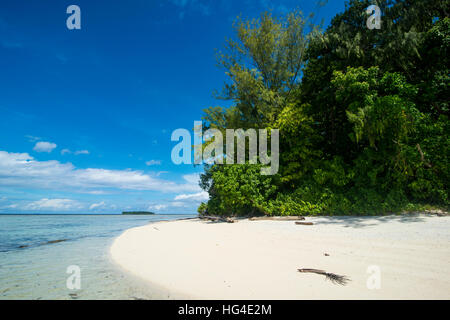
column 334, row 278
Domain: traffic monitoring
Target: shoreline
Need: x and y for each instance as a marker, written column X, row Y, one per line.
column 196, row 259
column 148, row 289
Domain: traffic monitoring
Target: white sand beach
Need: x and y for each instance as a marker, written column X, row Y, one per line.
column 259, row 259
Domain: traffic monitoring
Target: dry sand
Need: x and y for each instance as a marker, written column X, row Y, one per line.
column 259, row 259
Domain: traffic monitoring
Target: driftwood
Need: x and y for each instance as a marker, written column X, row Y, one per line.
column 55, row 241
column 304, row 223
column 334, row 278
column 422, row 157
column 217, row 219
column 278, row 218
column 43, row 243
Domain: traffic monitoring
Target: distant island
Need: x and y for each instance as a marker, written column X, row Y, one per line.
column 138, row 212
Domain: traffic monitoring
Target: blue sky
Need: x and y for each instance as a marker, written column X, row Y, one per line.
column 86, row 115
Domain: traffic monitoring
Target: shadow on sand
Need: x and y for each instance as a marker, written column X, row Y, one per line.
column 369, row 221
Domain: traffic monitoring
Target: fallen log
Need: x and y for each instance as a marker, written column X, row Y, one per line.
column 304, row 223
column 55, row 241
column 334, row 278
column 217, row 219
column 278, row 218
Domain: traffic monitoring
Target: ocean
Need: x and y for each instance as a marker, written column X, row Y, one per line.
column 34, row 262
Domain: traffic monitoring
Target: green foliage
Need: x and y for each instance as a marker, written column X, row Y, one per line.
column 287, row 205
column 363, row 114
column 264, row 65
column 202, row 208
column 239, row 190
column 298, row 137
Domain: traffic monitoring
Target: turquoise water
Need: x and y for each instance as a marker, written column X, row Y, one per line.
column 33, row 268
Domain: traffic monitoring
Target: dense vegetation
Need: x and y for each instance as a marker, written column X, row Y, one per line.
column 363, row 114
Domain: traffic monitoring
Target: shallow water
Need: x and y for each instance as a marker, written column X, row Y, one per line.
column 32, row 268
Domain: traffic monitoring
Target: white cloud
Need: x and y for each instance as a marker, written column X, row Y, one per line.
column 32, row 138
column 178, row 204
column 10, row 206
column 200, row 196
column 64, row 151
column 22, row 170
column 164, row 206
column 153, row 162
column 97, row 205
column 96, row 192
column 157, row 207
column 43, row 146
column 67, row 151
column 193, row 178
column 53, row 204
column 81, row 152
